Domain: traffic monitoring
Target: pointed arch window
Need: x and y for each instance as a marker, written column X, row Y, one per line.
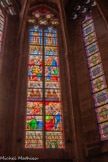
column 2, row 22
column 44, row 124
column 97, row 77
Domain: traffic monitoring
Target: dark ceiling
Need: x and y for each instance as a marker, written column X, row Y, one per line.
column 66, row 2
column 69, row 5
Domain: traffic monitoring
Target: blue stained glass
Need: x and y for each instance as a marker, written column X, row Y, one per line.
column 36, row 31
column 50, row 32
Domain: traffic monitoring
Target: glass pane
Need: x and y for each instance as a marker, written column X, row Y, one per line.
column 34, row 139
column 54, row 140
column 94, row 59
column 53, row 123
column 34, row 123
column 88, row 29
column 91, row 49
column 51, row 72
column 96, row 71
column 100, row 98
column 53, row 108
column 52, row 95
column 34, row 108
column 98, row 84
column 104, row 131
column 102, row 113
column 2, row 19
column 51, row 60
column 51, row 51
column 90, row 39
column 34, row 94
column 35, row 50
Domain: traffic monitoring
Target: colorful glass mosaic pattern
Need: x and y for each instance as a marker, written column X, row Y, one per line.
column 2, row 21
column 44, row 17
column 53, row 113
column 98, row 82
column 43, row 110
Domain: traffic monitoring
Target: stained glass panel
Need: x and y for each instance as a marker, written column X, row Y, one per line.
column 53, row 108
column 91, row 49
column 102, row 113
column 88, row 29
column 35, row 60
column 94, row 59
column 35, row 50
column 51, row 61
column 104, row 131
column 100, row 98
column 98, row 82
column 88, row 20
column 43, row 87
column 52, row 85
column 50, row 32
column 90, row 39
column 33, row 139
column 43, row 22
column 96, row 71
column 34, row 122
column 34, row 108
column 34, row 84
column 51, row 51
column 54, row 140
column 53, row 123
column 34, row 94
column 2, row 23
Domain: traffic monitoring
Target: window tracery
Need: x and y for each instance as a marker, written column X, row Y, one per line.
column 44, row 124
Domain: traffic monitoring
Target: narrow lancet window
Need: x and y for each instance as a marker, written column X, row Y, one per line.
column 2, row 22
column 97, row 77
column 44, row 126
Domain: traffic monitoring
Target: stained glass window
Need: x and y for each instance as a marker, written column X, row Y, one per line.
column 97, row 77
column 2, row 21
column 44, row 127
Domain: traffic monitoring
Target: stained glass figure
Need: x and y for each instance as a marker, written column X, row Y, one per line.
column 2, row 22
column 43, row 93
column 98, row 82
